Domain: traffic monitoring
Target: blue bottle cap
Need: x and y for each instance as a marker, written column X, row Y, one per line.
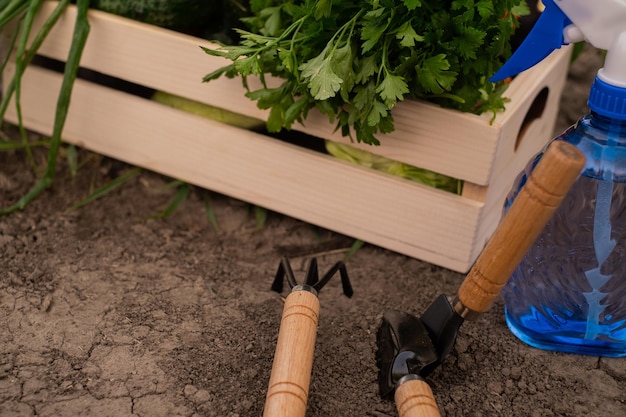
column 607, row 100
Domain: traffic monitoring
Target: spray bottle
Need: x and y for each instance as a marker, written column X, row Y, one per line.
column 569, row 292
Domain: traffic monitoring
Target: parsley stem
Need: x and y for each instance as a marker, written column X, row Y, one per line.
column 342, row 30
column 294, row 27
column 384, row 60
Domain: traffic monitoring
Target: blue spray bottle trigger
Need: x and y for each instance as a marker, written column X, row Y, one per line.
column 545, row 36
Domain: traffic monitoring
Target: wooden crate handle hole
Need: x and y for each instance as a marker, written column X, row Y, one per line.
column 534, row 112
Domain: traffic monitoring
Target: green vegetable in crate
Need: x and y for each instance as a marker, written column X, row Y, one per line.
column 338, row 150
column 353, row 61
column 171, row 14
column 207, row 111
column 399, row 169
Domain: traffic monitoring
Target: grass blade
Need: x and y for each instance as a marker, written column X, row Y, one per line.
column 260, row 216
column 107, row 188
column 32, row 51
column 180, row 196
column 10, row 10
column 174, row 184
column 10, row 145
column 20, row 67
column 72, row 160
column 79, row 39
column 10, row 47
column 353, row 249
column 210, row 213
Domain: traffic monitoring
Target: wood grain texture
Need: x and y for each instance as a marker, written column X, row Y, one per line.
column 415, row 398
column 544, row 190
column 288, row 389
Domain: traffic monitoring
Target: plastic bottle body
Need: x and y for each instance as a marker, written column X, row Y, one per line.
column 569, row 292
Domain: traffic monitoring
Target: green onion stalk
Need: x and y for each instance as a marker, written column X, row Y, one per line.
column 18, row 16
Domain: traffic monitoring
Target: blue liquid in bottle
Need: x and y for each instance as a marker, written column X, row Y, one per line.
column 569, row 292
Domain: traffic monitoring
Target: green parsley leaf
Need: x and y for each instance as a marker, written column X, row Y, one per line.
column 323, row 8
column 342, row 66
column 322, row 80
column 376, row 23
column 367, row 67
column 434, row 75
column 412, row 4
column 354, row 61
column 468, row 43
column 288, row 59
column 485, row 8
column 407, row 35
column 275, row 121
column 392, row 88
column 364, row 96
column 266, row 97
column 377, row 111
column 296, row 111
column 273, row 21
column 521, row 9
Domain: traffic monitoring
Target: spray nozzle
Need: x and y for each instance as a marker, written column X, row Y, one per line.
column 545, row 37
column 602, row 23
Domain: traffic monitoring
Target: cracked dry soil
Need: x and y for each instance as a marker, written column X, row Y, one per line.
column 107, row 312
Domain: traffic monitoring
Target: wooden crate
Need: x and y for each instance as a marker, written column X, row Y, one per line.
column 394, row 213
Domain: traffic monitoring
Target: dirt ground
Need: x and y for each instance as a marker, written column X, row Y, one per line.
column 105, row 311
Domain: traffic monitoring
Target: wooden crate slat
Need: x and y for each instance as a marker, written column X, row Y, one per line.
column 396, row 214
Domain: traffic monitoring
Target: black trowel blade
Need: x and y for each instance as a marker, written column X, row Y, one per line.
column 442, row 323
column 404, row 348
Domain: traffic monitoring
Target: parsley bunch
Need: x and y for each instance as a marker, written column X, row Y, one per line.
column 355, row 60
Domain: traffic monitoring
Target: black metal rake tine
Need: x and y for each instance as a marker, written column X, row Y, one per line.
column 312, row 274
column 284, row 270
column 345, row 280
column 277, row 285
column 291, row 279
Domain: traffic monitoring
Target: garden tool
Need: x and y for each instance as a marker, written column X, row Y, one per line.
column 411, row 347
column 288, row 389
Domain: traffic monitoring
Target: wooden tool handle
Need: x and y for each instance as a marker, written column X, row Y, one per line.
column 414, row 398
column 288, row 389
column 544, row 190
